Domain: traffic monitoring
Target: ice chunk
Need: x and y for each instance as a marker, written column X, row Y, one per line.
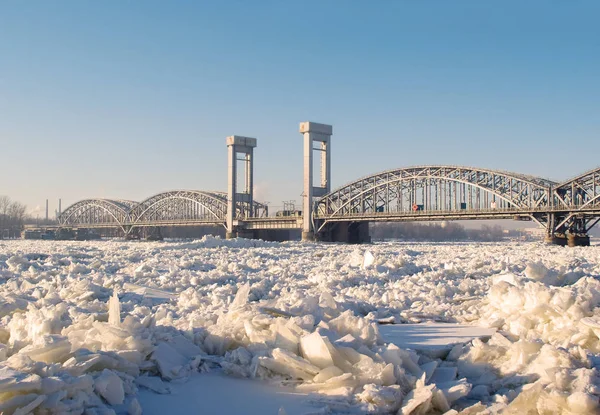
column 110, row 387
column 52, row 384
column 241, row 298
column 285, row 338
column 344, row 381
column 185, row 346
column 368, row 260
column 454, row 390
column 439, row 400
column 326, row 301
column 315, row 350
column 582, row 403
column 78, row 269
column 429, row 368
column 27, row 409
column 48, row 349
column 84, row 361
column 149, row 292
column 408, row 359
column 22, row 403
column 384, row 398
column 15, row 263
column 114, row 310
column 14, row 382
column 327, row 373
column 420, row 396
column 536, row 271
column 508, row 278
column 154, row 383
column 479, row 392
column 444, row 374
column 171, row 364
column 358, row 327
column 287, row 363
column 134, row 407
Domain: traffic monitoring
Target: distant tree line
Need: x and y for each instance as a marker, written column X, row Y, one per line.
column 435, row 232
column 12, row 218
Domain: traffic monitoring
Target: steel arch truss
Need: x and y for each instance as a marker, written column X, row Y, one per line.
column 173, row 208
column 435, row 188
column 577, row 203
column 179, row 207
column 581, row 192
column 97, row 213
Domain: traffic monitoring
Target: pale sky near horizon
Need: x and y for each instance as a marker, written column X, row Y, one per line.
column 125, row 99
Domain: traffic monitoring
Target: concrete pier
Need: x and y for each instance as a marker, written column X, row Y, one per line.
column 578, row 240
column 320, row 133
column 570, row 239
column 239, row 203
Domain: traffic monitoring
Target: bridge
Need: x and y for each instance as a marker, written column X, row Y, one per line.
column 567, row 210
column 173, row 208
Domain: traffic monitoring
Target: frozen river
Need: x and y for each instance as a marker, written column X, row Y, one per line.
column 125, row 327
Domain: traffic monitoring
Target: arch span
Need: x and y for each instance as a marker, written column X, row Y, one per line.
column 180, row 205
column 172, row 208
column 435, row 188
column 97, row 212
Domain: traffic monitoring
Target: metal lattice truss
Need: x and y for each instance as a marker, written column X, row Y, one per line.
column 173, row 208
column 579, row 199
column 430, row 188
column 451, row 192
column 98, row 211
column 180, row 205
column 581, row 192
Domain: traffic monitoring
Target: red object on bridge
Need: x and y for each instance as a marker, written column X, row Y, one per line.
column 415, row 207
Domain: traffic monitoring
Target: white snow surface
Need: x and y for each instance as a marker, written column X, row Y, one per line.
column 114, row 327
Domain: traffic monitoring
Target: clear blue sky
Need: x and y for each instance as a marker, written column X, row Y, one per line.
column 124, row 99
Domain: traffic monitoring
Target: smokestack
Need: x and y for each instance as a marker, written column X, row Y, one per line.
column 46, row 210
column 59, row 207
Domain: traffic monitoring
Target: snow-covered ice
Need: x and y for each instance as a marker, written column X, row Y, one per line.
column 432, row 339
column 125, row 327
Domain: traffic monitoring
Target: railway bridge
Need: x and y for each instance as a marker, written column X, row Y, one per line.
column 566, row 210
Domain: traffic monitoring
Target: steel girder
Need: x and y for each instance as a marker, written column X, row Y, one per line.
column 90, row 212
column 435, row 188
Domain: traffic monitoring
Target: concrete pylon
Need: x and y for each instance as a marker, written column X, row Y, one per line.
column 243, row 200
column 320, row 133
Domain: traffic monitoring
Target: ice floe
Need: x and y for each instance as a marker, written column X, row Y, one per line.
column 91, row 326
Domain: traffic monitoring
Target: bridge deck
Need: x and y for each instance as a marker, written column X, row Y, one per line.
column 295, row 222
column 440, row 215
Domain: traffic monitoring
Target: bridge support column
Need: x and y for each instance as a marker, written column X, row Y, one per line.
column 239, row 205
column 554, row 237
column 572, row 231
column 578, row 233
column 321, row 133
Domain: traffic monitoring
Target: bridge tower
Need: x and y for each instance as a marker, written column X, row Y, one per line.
column 237, row 145
column 320, row 133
